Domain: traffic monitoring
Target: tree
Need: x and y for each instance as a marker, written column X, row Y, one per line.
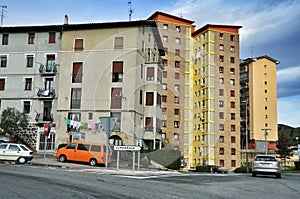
column 12, row 120
column 283, row 147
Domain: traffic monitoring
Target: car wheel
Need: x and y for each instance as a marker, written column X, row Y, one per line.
column 93, row 162
column 278, row 175
column 22, row 160
column 253, row 175
column 62, row 158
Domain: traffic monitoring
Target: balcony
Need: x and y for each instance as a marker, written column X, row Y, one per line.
column 48, row 70
column 43, row 118
column 46, row 94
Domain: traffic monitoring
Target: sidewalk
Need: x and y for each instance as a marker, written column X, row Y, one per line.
column 49, row 160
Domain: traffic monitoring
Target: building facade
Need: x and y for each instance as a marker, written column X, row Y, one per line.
column 215, row 139
column 258, row 94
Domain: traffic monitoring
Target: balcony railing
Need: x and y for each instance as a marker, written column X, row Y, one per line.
column 48, row 69
column 43, row 118
column 44, row 93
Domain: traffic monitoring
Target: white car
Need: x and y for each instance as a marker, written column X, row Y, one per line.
column 15, row 152
column 267, row 165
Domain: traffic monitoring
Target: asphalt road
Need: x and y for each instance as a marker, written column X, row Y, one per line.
column 27, row 181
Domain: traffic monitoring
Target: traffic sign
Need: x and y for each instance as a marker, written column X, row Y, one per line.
column 127, row 148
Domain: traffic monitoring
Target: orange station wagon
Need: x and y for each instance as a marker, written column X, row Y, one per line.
column 91, row 153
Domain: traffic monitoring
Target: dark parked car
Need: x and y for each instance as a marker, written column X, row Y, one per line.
column 219, row 170
column 5, row 139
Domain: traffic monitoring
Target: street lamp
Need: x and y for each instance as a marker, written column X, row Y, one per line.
column 297, row 138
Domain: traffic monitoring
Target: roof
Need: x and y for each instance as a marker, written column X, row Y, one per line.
column 217, row 27
column 86, row 26
column 249, row 60
column 161, row 16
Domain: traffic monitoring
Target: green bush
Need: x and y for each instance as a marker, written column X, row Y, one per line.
column 243, row 169
column 145, row 161
column 167, row 157
column 202, row 169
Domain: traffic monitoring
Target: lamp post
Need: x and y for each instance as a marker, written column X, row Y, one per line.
column 246, row 135
column 298, row 146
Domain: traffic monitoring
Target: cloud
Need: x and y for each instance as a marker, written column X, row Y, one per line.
column 288, row 111
column 288, row 81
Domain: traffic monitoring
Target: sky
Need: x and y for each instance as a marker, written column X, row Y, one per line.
column 270, row 27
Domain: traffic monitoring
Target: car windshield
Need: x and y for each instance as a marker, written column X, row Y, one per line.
column 261, row 158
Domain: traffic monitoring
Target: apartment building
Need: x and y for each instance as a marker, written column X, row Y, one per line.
column 215, row 116
column 111, row 70
column 258, row 94
column 176, row 36
column 30, row 59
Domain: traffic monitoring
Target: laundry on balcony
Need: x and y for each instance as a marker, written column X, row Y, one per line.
column 44, row 93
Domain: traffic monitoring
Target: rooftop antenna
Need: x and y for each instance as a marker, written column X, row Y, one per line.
column 130, row 9
column 2, row 13
column 180, row 14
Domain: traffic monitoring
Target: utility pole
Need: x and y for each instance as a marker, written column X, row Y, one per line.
column 130, row 9
column 2, row 13
column 266, row 135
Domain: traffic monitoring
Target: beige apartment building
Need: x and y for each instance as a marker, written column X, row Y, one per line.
column 110, row 70
column 258, row 94
column 215, row 137
column 176, row 36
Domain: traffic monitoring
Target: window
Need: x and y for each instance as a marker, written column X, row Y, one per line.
column 29, row 59
column 83, row 147
column 177, row 64
column 221, row 92
column 222, row 163
column 96, row 148
column 232, row 139
column 221, row 47
column 177, row 28
column 232, row 82
column 165, row 74
column 221, row 151
column 231, row 37
column 266, row 82
column 28, row 84
column 266, row 91
column 176, row 100
column 149, row 124
column 232, row 116
column 266, row 108
column 221, row 36
column 31, row 38
column 118, row 116
column 164, row 98
column 232, row 71
column 232, row 151
column 164, row 111
column 221, row 127
column 176, row 124
column 4, row 39
column 77, row 72
column 141, row 97
column 176, row 111
column 177, row 88
column 90, row 116
column 164, row 86
column 26, row 107
column 232, row 60
column 232, row 104
column 163, row 136
column 166, row 51
column 116, row 98
column 165, row 39
column 176, row 136
column 165, row 62
column 221, row 115
column 78, row 45
column 119, row 43
column 221, row 69
column 221, row 80
column 233, row 163
column 231, row 48
column 232, row 128
column 165, row 26
column 221, row 139
column 158, row 100
column 150, row 74
column 75, row 98
column 149, row 98
column 232, row 93
column 50, row 66
column 117, row 71
column 142, row 71
column 177, row 52
column 177, row 75
column 164, row 123
column 177, row 40
column 51, row 37
column 221, row 103
column 3, row 61
column 221, row 58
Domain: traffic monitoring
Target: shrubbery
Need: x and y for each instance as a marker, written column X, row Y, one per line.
column 202, row 168
column 243, row 169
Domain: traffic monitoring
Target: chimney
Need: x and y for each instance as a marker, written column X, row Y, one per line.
column 66, row 20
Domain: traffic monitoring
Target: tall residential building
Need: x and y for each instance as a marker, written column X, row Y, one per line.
column 176, row 36
column 258, row 94
column 111, row 70
column 30, row 57
column 215, row 116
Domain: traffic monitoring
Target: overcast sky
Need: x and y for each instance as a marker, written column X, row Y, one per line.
column 270, row 27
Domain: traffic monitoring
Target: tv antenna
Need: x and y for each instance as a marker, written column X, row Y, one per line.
column 130, row 9
column 3, row 7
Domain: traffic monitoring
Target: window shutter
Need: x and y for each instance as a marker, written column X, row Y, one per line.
column 119, row 41
column 118, row 67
